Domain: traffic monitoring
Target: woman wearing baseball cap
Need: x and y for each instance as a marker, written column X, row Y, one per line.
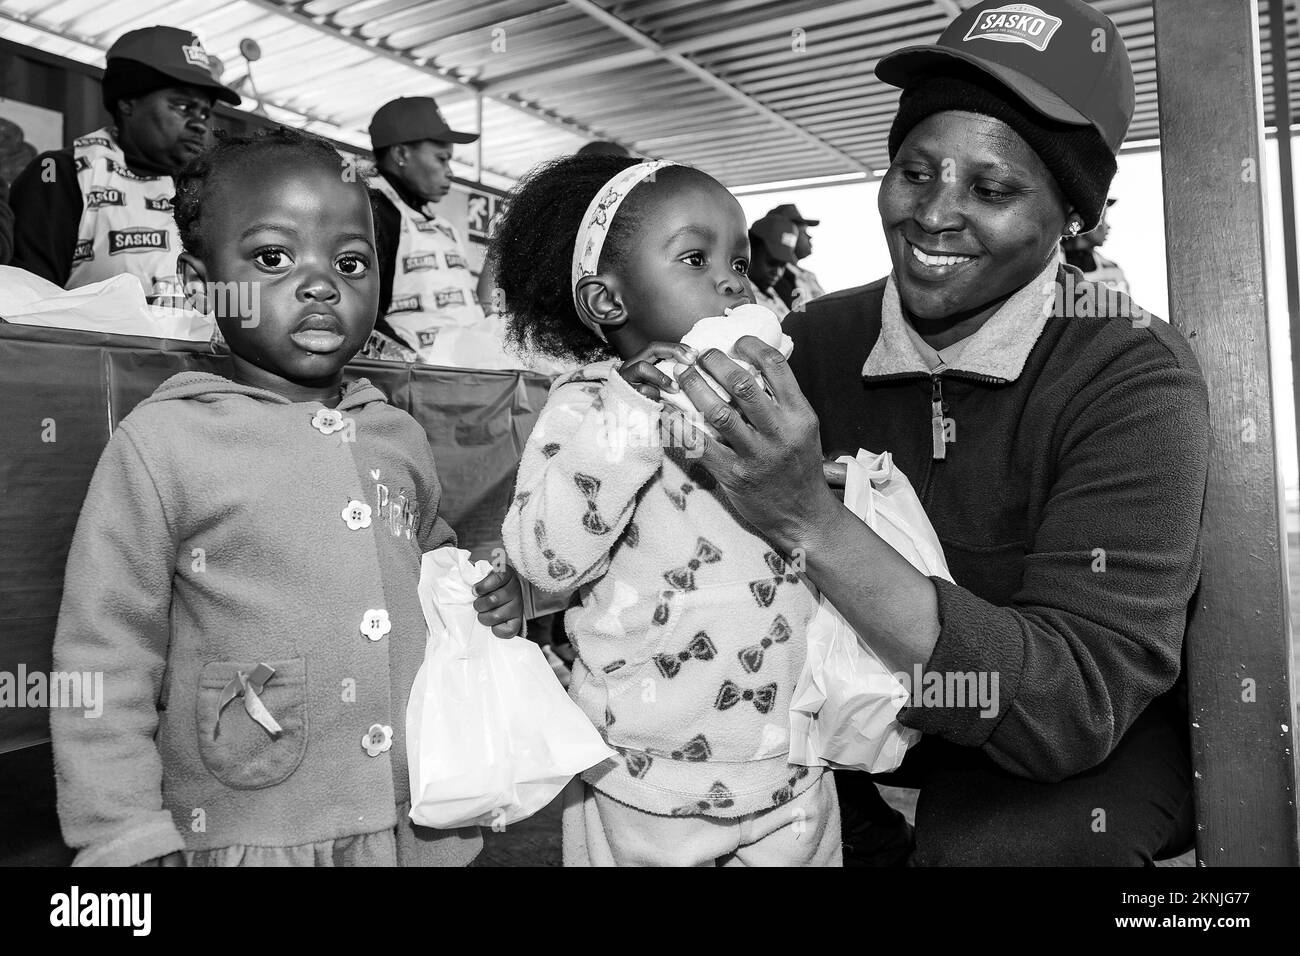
column 104, row 207
column 1056, row 435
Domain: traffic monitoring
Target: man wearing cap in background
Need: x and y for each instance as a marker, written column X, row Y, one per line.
column 1081, row 252
column 772, row 242
column 797, row 278
column 427, row 284
column 104, row 207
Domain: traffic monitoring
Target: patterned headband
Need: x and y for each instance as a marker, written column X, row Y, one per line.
column 596, row 222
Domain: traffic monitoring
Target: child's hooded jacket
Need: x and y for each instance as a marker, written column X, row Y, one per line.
column 227, row 527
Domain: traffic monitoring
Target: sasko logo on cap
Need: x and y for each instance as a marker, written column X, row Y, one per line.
column 1015, row 23
column 195, row 55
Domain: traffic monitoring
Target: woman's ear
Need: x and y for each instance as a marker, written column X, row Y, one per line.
column 598, row 300
column 194, row 278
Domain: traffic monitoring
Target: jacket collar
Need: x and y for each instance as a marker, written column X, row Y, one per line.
column 998, row 349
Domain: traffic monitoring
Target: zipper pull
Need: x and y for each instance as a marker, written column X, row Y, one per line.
column 939, row 450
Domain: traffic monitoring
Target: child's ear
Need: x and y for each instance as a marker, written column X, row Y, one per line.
column 194, row 278
column 599, row 300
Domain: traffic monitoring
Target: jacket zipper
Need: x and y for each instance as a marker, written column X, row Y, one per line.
column 938, row 407
column 938, row 438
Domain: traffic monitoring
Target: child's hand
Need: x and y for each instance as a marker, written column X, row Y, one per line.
column 639, row 371
column 501, row 605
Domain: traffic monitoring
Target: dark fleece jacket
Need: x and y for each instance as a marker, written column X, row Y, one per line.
column 1068, row 506
column 213, row 538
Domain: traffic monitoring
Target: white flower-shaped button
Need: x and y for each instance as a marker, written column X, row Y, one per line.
column 357, row 515
column 376, row 624
column 378, row 739
column 328, row 420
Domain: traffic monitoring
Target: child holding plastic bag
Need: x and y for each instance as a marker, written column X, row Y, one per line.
column 244, row 570
column 691, row 629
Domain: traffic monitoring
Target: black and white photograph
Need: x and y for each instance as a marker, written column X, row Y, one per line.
column 505, row 434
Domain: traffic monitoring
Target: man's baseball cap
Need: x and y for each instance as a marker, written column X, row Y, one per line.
column 1063, row 58
column 409, row 119
column 779, row 235
column 791, row 212
column 175, row 53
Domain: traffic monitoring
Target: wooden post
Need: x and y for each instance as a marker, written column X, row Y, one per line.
column 1238, row 642
column 1282, row 120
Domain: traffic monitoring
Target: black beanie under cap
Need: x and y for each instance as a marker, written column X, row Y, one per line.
column 1077, row 157
column 125, row 79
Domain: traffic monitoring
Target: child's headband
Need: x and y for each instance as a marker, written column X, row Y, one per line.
column 596, row 223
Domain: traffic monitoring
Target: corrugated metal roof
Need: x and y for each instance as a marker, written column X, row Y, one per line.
column 753, row 91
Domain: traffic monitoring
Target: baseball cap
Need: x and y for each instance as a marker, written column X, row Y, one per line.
column 779, row 235
column 409, row 119
column 173, row 52
column 791, row 212
column 1063, row 58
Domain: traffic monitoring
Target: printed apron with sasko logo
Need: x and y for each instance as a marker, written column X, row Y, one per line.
column 126, row 221
column 433, row 287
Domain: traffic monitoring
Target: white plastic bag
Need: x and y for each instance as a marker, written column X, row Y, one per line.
column 116, row 305
column 845, row 705
column 491, row 737
column 722, row 332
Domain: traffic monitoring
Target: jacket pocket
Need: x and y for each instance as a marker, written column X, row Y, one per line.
column 235, row 748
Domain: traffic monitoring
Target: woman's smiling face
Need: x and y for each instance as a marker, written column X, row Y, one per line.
column 970, row 213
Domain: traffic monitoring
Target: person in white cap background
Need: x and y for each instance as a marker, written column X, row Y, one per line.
column 772, row 242
column 796, row 277
column 426, row 288
column 1060, row 451
column 104, row 207
column 1081, row 252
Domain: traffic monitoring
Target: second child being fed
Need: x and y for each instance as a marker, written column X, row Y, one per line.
column 691, row 631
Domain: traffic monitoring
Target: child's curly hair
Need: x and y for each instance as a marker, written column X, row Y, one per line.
column 196, row 185
column 531, row 254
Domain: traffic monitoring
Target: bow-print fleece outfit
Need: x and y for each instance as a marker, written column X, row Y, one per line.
column 691, row 629
column 226, row 527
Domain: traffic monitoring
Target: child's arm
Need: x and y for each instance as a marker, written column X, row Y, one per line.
column 592, row 450
column 114, row 622
column 433, row 532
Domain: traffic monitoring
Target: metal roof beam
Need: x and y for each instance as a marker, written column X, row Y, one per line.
column 294, row 9
column 769, row 26
column 606, row 18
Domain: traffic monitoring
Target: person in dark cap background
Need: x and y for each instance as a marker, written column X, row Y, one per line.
column 772, row 242
column 104, row 207
column 1061, row 456
column 797, row 285
column 603, row 147
column 1081, row 252
column 426, row 285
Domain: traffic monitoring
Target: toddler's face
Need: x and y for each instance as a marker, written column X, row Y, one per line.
column 689, row 262
column 303, row 239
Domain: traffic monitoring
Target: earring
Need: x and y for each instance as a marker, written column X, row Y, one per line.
column 1075, row 226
